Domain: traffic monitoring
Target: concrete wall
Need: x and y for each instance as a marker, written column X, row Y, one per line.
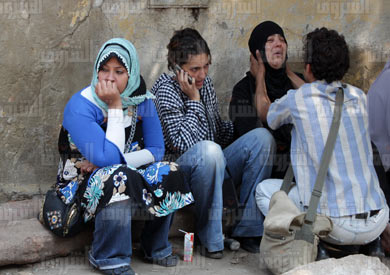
column 47, row 48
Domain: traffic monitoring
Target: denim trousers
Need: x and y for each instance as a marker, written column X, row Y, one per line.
column 347, row 230
column 249, row 160
column 111, row 245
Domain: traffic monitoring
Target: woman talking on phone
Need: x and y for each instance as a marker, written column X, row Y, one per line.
column 201, row 143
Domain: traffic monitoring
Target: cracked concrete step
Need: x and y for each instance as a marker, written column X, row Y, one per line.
column 20, row 210
column 27, row 209
column 24, row 240
column 27, row 241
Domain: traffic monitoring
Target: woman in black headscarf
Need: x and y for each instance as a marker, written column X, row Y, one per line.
column 269, row 78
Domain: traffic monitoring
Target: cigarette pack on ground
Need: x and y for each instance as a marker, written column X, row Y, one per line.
column 188, row 247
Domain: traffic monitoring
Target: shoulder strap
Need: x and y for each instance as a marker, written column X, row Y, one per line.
column 325, row 160
column 306, row 232
column 286, row 185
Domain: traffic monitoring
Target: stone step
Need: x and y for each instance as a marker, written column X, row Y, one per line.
column 27, row 241
column 28, row 209
column 20, row 210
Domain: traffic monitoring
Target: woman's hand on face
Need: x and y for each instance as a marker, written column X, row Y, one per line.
column 288, row 69
column 108, row 92
column 296, row 81
column 257, row 68
column 189, row 89
column 87, row 167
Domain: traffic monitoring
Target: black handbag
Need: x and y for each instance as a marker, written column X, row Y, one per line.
column 64, row 220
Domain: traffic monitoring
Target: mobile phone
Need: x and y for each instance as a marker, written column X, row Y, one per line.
column 177, row 69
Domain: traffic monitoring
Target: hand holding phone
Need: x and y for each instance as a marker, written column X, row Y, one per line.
column 186, row 86
column 177, row 69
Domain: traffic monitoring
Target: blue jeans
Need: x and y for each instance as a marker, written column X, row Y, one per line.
column 111, row 246
column 249, row 160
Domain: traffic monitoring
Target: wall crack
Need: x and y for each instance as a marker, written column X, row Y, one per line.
column 76, row 27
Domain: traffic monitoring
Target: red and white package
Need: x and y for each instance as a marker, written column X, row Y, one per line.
column 188, row 247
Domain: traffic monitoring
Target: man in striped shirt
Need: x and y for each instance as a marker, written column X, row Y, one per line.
column 351, row 195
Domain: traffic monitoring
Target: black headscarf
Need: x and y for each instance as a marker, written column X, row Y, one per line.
column 276, row 81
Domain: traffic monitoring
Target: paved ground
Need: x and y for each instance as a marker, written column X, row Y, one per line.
column 233, row 263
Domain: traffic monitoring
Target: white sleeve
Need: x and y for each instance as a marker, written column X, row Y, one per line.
column 115, row 128
column 138, row 158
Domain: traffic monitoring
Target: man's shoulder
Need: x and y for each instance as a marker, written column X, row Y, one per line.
column 381, row 81
column 328, row 91
column 353, row 91
column 310, row 86
column 324, row 87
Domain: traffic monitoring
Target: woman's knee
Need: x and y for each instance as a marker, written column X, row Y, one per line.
column 261, row 136
column 204, row 152
column 211, row 153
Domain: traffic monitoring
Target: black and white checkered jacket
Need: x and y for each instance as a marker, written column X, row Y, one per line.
column 185, row 122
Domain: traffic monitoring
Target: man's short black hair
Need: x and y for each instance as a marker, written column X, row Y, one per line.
column 328, row 54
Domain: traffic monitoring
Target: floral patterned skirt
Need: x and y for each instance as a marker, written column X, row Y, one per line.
column 159, row 187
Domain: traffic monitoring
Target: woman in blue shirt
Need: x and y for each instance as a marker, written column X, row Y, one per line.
column 111, row 144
